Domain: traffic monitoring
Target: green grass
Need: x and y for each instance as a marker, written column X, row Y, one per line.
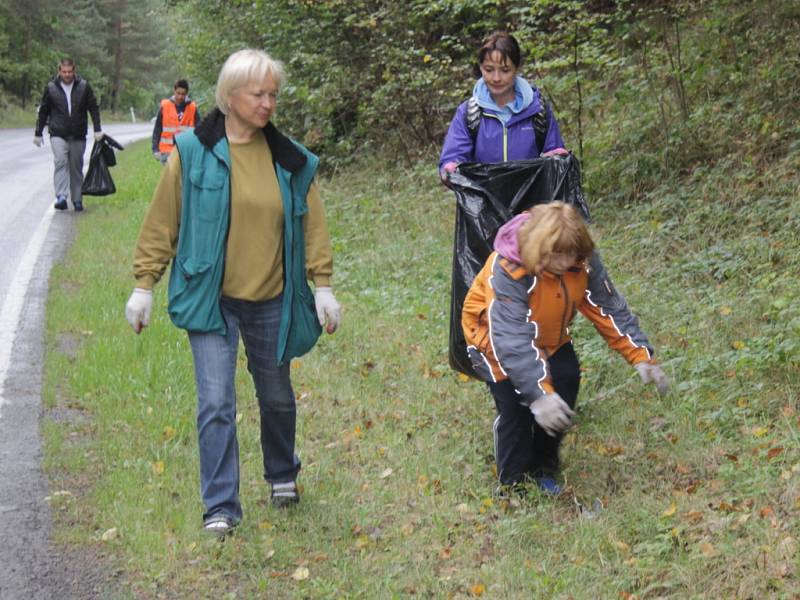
column 700, row 491
column 14, row 117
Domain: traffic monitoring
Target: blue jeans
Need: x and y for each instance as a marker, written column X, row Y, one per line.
column 215, row 371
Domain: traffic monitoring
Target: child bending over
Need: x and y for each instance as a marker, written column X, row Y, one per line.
column 515, row 319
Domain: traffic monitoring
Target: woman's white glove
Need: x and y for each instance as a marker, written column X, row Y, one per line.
column 138, row 309
column 552, row 413
column 328, row 308
column 653, row 373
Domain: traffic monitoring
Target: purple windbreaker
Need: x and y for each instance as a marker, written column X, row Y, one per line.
column 489, row 147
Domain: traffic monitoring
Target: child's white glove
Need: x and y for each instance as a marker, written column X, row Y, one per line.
column 328, row 308
column 653, row 373
column 552, row 413
column 138, row 308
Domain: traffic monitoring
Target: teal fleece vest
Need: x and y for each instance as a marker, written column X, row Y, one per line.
column 195, row 285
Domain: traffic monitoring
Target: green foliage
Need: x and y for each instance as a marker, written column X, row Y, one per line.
column 121, row 47
column 644, row 91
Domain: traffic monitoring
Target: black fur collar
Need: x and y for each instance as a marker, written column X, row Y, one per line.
column 212, row 129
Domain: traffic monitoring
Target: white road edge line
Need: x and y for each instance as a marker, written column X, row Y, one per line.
column 12, row 307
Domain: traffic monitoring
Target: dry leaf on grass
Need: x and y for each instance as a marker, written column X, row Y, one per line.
column 300, row 574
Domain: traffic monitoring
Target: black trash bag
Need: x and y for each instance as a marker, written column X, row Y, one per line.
column 98, row 181
column 489, row 195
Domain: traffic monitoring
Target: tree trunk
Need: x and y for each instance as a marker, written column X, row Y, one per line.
column 116, row 79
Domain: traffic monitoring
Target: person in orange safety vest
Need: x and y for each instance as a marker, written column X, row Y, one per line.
column 176, row 114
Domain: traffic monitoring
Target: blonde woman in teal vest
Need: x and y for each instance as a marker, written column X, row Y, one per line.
column 238, row 214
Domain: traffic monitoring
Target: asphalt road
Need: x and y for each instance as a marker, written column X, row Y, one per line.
column 33, row 236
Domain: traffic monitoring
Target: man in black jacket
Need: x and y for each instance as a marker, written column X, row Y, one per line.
column 66, row 101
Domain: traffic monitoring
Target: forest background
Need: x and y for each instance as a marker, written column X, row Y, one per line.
column 644, row 89
column 685, row 117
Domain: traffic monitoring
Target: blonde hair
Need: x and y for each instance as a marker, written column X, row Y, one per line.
column 553, row 228
column 241, row 68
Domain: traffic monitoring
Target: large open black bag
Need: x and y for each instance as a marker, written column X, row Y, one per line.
column 98, row 181
column 489, row 195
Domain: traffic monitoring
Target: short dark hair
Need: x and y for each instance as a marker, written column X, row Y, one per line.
column 504, row 43
column 66, row 62
column 181, row 83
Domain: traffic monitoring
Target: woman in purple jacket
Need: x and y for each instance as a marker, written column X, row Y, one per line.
column 500, row 121
column 507, row 119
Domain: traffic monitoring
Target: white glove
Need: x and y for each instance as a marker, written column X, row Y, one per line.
column 652, row 372
column 328, row 308
column 138, row 309
column 98, row 135
column 157, row 156
column 38, row 141
column 552, row 413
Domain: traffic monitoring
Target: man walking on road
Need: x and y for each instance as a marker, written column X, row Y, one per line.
column 176, row 114
column 65, row 103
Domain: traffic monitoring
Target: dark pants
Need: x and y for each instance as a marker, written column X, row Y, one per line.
column 522, row 449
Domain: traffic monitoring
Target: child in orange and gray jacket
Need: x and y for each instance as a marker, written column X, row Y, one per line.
column 515, row 319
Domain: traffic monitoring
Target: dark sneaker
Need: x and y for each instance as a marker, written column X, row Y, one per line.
column 284, row 494
column 548, row 485
column 78, row 206
column 61, row 203
column 219, row 525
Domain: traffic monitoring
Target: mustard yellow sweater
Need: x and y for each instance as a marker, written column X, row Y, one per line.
column 254, row 252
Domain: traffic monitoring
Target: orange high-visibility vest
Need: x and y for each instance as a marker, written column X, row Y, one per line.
column 172, row 125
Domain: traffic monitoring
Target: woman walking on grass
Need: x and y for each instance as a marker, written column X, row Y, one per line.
column 238, row 213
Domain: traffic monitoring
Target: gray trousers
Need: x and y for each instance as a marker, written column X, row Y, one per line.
column 68, row 175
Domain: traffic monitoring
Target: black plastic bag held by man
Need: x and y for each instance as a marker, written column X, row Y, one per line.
column 489, row 195
column 98, row 181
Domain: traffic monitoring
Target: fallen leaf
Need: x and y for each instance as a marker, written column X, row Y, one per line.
column 387, row 472
column 300, row 574
column 725, row 311
column 673, row 508
column 765, row 512
column 693, row 516
column 773, row 452
column 462, row 378
column 760, row 431
column 621, row 546
column 707, row 549
column 169, row 433
column 158, row 467
column 738, row 345
column 445, row 553
column 477, row 589
column 110, row 534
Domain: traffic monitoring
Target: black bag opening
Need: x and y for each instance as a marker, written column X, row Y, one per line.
column 489, row 195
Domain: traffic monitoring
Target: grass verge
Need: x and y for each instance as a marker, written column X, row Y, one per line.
column 695, row 496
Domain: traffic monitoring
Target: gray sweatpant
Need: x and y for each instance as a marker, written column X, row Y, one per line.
column 68, row 175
